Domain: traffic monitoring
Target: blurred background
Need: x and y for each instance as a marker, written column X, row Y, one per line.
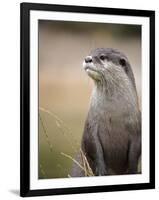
column 65, row 89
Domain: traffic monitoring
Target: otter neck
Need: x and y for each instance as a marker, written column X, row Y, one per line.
column 121, row 95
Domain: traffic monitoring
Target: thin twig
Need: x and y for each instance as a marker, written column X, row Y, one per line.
column 45, row 132
column 61, row 124
column 68, row 156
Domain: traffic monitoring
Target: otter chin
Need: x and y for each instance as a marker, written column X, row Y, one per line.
column 111, row 138
column 91, row 70
column 93, row 74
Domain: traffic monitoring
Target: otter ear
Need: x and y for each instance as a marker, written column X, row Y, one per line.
column 122, row 62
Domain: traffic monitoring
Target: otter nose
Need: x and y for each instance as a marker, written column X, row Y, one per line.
column 88, row 59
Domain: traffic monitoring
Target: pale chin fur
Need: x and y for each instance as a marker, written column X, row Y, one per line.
column 91, row 73
column 86, row 65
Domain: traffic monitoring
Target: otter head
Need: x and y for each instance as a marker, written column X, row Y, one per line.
column 107, row 65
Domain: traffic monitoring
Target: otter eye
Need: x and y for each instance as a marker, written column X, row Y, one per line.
column 122, row 62
column 102, row 57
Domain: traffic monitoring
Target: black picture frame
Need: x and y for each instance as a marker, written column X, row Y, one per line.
column 25, row 9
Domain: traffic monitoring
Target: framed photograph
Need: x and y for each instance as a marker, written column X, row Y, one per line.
column 87, row 99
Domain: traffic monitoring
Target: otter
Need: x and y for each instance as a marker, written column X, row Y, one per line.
column 111, row 140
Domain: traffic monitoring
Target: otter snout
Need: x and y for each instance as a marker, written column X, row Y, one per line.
column 91, row 69
column 88, row 59
column 88, row 63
